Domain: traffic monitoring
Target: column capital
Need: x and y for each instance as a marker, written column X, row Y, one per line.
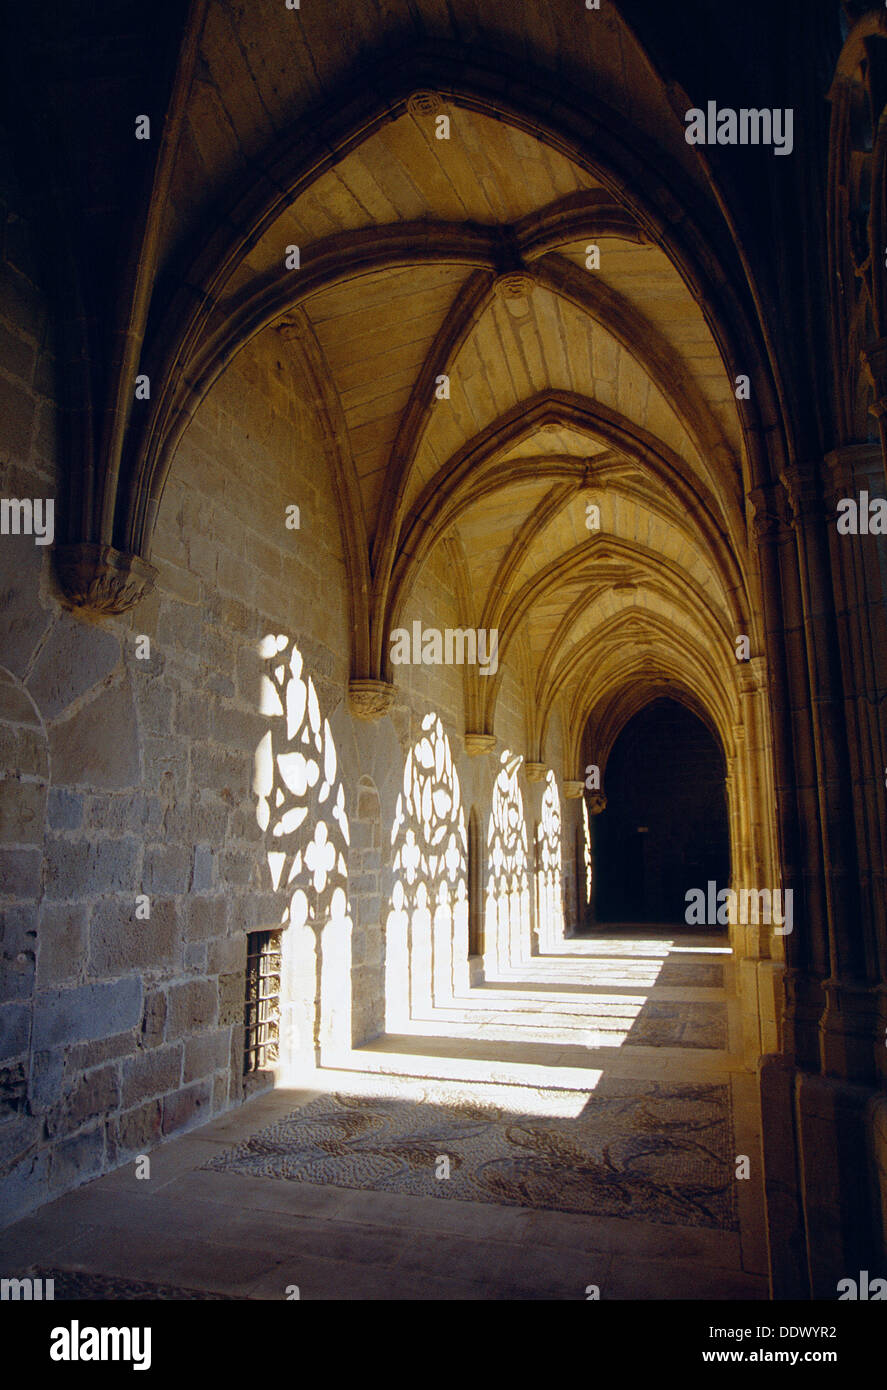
column 753, row 675
column 772, row 513
column 803, row 487
column 852, row 467
column 875, row 359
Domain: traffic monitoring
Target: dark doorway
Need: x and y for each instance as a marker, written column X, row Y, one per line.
column 665, row 828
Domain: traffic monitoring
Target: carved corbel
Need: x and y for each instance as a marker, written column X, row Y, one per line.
column 99, row 579
column 475, row 744
column 370, row 699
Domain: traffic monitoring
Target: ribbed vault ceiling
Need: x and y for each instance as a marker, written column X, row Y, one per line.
column 596, row 385
column 465, row 258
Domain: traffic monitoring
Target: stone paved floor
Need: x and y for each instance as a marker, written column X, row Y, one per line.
column 539, row 1042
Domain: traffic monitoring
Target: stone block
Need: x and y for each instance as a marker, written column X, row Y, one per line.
column 193, row 714
column 180, row 625
column 205, row 918
column 154, row 1018
column 124, row 811
column 232, row 992
column 80, row 869
column 24, row 751
column 96, row 1093
column 20, row 872
column 227, row 955
column 119, row 941
column 221, row 1086
column 22, row 806
column 13, row 1087
column 166, row 766
column 167, row 869
column 238, row 728
column 16, row 706
column 243, row 915
column 76, row 657
column 76, row 1160
column 236, row 869
column 86, row 1055
column 15, row 1026
column 61, row 942
column 177, row 582
column 204, row 1054
column 16, row 976
column 86, row 1012
column 23, row 619
column 151, row 1074
column 195, row 957
column 203, row 875
column 97, row 746
column 24, row 1187
column 225, row 772
column 187, row 1108
column 193, row 1006
column 18, row 928
column 139, row 1129
column 65, row 809
column 46, row 1079
column 155, row 701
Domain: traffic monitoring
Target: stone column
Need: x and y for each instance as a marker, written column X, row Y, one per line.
column 860, row 585
column 875, row 358
column 845, row 1027
column 794, row 763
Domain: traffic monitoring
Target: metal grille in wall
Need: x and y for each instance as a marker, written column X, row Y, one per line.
column 262, row 1016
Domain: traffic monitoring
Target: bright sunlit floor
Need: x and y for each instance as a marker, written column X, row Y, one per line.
column 591, row 1108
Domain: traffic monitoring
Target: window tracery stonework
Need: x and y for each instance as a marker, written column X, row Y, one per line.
column 549, row 894
column 301, row 810
column 507, row 930
column 427, row 924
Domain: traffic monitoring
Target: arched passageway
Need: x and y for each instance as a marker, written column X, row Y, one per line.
column 665, row 829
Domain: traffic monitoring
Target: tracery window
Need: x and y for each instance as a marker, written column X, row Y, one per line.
column 507, row 919
column 427, row 926
column 301, row 810
column 550, row 868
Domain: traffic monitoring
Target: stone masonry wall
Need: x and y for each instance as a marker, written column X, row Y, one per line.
column 126, row 782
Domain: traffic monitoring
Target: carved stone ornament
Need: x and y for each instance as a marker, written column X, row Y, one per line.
column 475, row 744
column 573, row 790
column 772, row 514
column 535, row 771
column 596, row 803
column 425, row 104
column 103, row 580
column 370, row 699
column 514, row 284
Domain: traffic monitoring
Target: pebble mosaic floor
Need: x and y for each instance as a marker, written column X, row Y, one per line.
column 641, row 1149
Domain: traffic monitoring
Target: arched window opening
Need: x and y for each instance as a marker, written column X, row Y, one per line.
column 507, row 915
column 475, row 878
column 427, row 927
column 549, row 868
column 301, row 809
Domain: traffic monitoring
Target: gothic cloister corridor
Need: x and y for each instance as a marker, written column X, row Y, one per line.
column 443, row 654
column 643, row 1204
